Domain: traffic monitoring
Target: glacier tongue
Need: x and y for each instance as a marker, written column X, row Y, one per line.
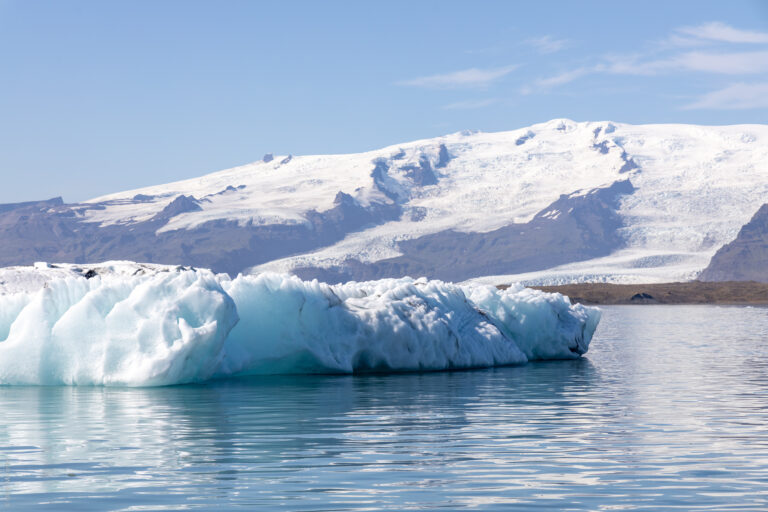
column 173, row 327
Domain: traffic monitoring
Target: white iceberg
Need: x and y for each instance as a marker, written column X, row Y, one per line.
column 140, row 325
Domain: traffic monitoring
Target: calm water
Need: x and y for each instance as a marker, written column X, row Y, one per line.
column 668, row 411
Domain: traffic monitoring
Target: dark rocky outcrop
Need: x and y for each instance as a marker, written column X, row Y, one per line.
column 443, row 157
column 602, row 147
column 629, row 163
column 182, row 204
column 746, row 257
column 421, row 174
column 383, row 181
column 524, row 138
column 642, row 298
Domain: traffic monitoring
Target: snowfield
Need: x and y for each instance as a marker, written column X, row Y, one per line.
column 127, row 324
column 695, row 186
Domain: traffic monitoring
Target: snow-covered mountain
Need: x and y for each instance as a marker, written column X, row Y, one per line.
column 555, row 202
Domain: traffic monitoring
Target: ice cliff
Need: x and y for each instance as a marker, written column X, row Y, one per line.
column 135, row 325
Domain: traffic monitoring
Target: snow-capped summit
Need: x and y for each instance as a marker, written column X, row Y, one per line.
column 554, row 202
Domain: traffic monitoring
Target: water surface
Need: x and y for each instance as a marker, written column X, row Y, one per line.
column 668, row 411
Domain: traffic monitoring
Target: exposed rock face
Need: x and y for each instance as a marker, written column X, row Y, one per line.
column 422, row 174
column 182, row 204
column 746, row 258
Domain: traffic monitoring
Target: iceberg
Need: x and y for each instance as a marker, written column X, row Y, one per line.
column 138, row 325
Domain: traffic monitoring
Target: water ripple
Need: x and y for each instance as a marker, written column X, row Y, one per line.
column 668, row 412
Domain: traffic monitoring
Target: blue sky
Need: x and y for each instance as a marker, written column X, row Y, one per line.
column 97, row 97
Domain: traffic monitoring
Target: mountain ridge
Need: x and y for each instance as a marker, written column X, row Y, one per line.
column 401, row 208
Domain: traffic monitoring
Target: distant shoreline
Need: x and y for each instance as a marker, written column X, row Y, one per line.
column 694, row 292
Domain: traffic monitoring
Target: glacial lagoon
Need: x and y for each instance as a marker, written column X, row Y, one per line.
column 667, row 411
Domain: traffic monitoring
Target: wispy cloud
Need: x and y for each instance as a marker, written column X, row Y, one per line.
column 678, row 41
column 717, row 31
column 547, row 44
column 679, row 54
column 699, row 52
column 741, row 63
column 565, row 77
column 734, row 97
column 636, row 65
column 733, row 63
column 470, row 104
column 473, row 77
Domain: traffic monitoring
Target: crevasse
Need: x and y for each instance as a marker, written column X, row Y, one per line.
column 191, row 326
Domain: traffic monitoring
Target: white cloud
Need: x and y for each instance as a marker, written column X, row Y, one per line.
column 470, row 104
column 566, row 77
column 734, row 97
column 473, row 77
column 547, row 44
column 734, row 63
column 717, row 31
column 743, row 63
column 634, row 65
column 677, row 40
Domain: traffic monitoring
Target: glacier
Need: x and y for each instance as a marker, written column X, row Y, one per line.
column 139, row 325
column 630, row 204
